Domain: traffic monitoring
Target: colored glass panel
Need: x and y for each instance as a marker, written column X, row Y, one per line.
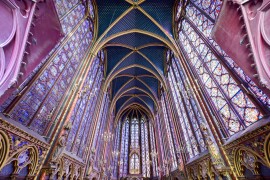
column 236, row 109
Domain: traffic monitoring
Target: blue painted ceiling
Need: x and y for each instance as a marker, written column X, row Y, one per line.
column 135, row 34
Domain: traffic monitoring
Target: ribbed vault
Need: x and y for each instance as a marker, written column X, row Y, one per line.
column 133, row 110
column 135, row 34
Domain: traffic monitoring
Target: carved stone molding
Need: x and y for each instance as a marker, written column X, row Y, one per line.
column 4, row 148
column 199, row 168
column 249, row 151
column 66, row 166
column 21, row 149
column 203, row 168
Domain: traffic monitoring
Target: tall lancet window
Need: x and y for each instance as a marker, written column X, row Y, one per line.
column 81, row 116
column 124, row 149
column 137, row 143
column 134, row 164
column 134, row 131
column 235, row 99
column 115, row 153
column 38, row 100
column 145, row 148
column 188, row 112
column 102, row 121
column 134, row 167
column 171, row 156
column 153, row 150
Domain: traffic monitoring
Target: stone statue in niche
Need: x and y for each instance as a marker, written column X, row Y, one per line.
column 91, row 161
column 212, row 147
column 62, row 142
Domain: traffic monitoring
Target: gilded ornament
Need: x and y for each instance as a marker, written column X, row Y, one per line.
column 4, row 148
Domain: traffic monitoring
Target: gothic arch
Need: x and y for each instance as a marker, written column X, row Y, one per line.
column 4, row 148
column 130, row 107
column 249, row 159
column 132, row 160
column 30, row 156
column 267, row 149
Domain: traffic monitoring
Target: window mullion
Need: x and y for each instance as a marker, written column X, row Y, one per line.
column 203, row 12
column 179, row 115
column 226, row 98
column 230, row 70
column 187, row 114
column 191, row 106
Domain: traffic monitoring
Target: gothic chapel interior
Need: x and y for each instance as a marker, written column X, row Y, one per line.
column 135, row 89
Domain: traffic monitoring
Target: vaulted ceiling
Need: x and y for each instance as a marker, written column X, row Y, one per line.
column 135, row 34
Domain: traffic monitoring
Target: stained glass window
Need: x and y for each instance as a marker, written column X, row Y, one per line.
column 116, row 147
column 160, row 131
column 63, row 7
column 153, row 151
column 145, row 148
column 41, row 98
column 188, row 111
column 124, row 149
column 220, row 78
column 134, row 131
column 81, row 117
column 134, row 164
column 136, row 140
column 171, row 157
column 98, row 141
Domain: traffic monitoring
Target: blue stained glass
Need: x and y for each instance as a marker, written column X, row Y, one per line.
column 153, row 151
column 61, row 68
column 135, row 128
column 172, row 155
column 116, row 150
column 24, row 172
column 63, row 7
column 91, row 9
column 220, row 85
column 7, row 169
column 53, row 71
column 81, row 117
column 98, row 134
column 25, row 115
column 23, row 158
column 211, row 7
column 124, row 147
